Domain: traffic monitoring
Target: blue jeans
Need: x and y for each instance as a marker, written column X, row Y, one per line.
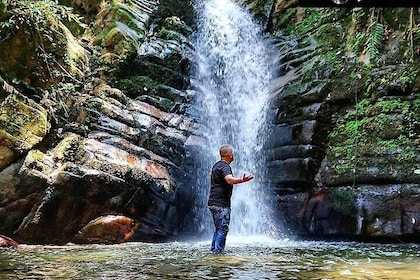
column 221, row 218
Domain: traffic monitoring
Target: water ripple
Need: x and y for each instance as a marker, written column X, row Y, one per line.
column 183, row 260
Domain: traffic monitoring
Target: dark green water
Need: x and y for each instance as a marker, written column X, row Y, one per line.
column 246, row 259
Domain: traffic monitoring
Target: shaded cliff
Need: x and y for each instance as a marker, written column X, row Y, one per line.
column 343, row 155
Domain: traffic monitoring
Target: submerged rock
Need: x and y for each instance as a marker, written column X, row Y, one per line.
column 7, row 242
column 107, row 230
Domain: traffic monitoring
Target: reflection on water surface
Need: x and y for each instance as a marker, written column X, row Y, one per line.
column 246, row 259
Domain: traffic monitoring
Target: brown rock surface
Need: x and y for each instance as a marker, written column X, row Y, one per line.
column 108, row 229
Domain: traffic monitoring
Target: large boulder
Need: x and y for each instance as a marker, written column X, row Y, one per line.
column 81, row 179
column 368, row 211
column 108, row 229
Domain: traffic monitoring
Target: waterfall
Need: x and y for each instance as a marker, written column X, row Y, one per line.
column 234, row 68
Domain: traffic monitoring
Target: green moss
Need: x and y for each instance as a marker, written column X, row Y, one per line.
column 36, row 155
column 94, row 104
column 415, row 105
column 409, row 74
column 284, row 22
column 365, row 130
column 119, row 27
column 343, row 201
column 392, row 106
column 24, row 123
column 137, row 85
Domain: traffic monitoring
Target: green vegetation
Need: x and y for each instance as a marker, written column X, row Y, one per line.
column 372, row 130
column 39, row 52
column 44, row 25
column 366, row 34
column 363, row 62
column 343, row 201
column 138, row 85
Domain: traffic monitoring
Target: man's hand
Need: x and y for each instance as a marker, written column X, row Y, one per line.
column 247, row 177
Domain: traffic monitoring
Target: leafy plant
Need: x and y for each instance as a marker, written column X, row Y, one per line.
column 374, row 39
column 358, row 42
column 3, row 6
column 312, row 20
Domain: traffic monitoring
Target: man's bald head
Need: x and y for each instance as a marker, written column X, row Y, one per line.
column 226, row 153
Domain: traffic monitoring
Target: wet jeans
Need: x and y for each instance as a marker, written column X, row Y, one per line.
column 221, row 218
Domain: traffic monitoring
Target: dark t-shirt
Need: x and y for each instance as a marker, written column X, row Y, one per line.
column 220, row 191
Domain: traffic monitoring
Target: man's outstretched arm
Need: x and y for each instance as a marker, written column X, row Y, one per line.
column 230, row 179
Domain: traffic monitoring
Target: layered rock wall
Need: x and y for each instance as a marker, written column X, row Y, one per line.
column 107, row 142
column 344, row 153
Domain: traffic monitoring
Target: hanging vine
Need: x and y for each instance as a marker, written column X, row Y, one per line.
column 412, row 32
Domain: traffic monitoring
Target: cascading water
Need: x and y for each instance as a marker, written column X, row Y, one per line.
column 232, row 80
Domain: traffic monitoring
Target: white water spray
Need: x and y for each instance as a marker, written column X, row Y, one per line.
column 232, row 79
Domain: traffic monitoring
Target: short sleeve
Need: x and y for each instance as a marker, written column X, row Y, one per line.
column 226, row 170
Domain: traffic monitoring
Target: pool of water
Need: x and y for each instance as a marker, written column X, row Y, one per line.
column 254, row 258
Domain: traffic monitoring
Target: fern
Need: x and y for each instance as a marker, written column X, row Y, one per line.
column 357, row 42
column 374, row 39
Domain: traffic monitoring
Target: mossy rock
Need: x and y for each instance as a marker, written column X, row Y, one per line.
column 183, row 9
column 38, row 165
column 161, row 103
column 17, row 56
column 174, row 28
column 68, row 148
column 38, row 36
column 6, row 156
column 168, row 71
column 376, row 135
column 260, row 8
column 368, row 170
column 23, row 123
column 120, row 26
column 135, row 86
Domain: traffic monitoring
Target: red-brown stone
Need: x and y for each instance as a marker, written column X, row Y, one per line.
column 7, row 242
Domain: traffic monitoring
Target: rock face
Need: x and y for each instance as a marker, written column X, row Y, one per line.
column 23, row 124
column 344, row 154
column 114, row 148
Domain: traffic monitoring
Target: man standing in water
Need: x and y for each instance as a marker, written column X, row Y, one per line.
column 222, row 181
